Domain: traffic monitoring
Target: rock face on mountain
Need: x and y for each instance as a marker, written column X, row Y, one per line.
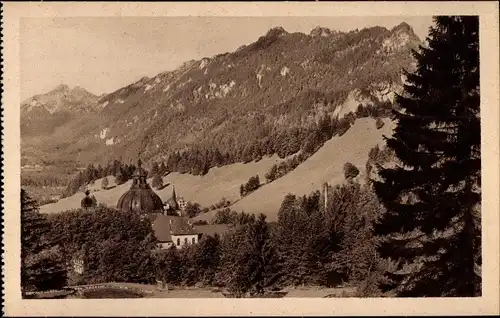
column 278, row 86
column 62, row 98
column 42, row 114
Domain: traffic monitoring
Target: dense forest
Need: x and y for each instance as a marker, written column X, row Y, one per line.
column 306, row 140
column 316, row 236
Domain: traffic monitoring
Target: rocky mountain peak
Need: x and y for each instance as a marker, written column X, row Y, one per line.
column 62, row 97
column 79, row 89
column 61, row 88
column 320, row 31
column 276, row 32
column 76, row 92
column 404, row 27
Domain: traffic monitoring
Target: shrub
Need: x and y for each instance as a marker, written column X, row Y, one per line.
column 379, row 123
column 374, row 152
column 350, row 171
column 343, row 126
column 192, row 209
column 105, row 183
column 252, row 185
column 200, row 222
column 157, row 181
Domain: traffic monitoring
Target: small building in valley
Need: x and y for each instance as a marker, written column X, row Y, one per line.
column 175, row 205
column 171, row 230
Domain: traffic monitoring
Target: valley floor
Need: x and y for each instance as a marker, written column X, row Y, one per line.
column 152, row 291
column 302, row 292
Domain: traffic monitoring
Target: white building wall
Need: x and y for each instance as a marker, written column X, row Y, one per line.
column 181, row 240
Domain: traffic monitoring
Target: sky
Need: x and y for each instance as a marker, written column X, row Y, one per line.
column 105, row 54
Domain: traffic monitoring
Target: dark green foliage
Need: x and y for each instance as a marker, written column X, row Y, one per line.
column 155, row 169
column 47, row 177
column 44, row 271
column 352, row 254
column 373, row 153
column 342, row 126
column 120, row 177
column 279, row 170
column 433, row 195
column 355, row 214
column 253, row 262
column 200, row 222
column 362, row 111
column 207, row 259
column 194, row 264
column 311, row 203
column 252, row 185
column 226, row 216
column 377, row 157
column 41, row 265
column 350, row 171
column 230, row 246
column 198, row 160
column 271, row 175
column 105, row 183
column 121, row 172
column 188, row 270
column 294, row 241
column 167, row 266
column 223, row 203
column 157, row 181
column 162, row 170
column 33, row 225
column 308, row 245
column 115, row 245
column 192, row 209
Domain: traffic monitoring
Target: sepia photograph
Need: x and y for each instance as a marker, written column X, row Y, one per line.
column 243, row 157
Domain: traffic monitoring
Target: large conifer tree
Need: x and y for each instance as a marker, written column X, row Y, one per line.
column 433, row 194
column 41, row 265
column 254, row 266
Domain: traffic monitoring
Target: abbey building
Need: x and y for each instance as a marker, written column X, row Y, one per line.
column 171, row 227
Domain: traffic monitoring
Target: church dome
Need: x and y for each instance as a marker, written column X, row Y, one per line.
column 140, row 198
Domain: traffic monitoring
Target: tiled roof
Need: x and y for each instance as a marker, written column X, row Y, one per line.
column 165, row 226
column 212, row 229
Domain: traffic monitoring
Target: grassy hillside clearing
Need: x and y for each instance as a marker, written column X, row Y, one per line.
column 326, row 165
column 206, row 190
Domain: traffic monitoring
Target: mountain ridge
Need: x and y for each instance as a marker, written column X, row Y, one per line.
column 57, row 98
column 280, row 83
